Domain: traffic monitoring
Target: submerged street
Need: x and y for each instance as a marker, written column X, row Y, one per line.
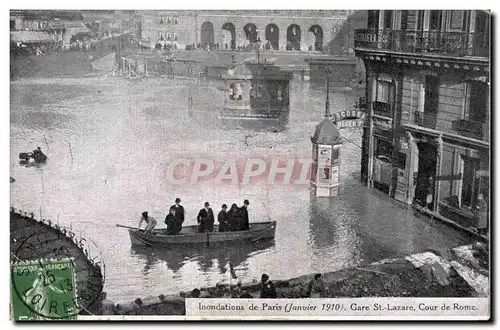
column 110, row 142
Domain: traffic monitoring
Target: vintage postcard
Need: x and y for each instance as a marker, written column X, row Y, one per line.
column 250, row 165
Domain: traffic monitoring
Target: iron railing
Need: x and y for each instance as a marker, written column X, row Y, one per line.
column 433, row 42
column 469, row 128
column 464, row 127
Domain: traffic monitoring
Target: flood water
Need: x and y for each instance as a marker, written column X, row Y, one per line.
column 110, row 142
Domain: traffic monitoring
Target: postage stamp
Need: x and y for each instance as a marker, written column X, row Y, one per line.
column 44, row 290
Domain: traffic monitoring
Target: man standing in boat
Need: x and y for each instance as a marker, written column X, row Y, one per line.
column 222, row 217
column 233, row 218
column 206, row 219
column 245, row 225
column 171, row 221
column 150, row 222
column 179, row 211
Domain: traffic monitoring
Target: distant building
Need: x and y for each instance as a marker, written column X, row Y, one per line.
column 293, row 30
column 427, row 140
column 45, row 27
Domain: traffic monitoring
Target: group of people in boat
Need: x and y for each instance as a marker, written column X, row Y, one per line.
column 234, row 219
column 37, row 155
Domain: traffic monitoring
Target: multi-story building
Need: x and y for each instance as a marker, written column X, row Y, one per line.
column 45, row 27
column 427, row 140
column 301, row 30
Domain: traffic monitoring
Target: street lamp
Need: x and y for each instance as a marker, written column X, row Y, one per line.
column 259, row 42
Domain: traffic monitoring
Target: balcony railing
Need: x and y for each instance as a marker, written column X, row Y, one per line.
column 469, row 128
column 382, row 109
column 422, row 119
column 433, row 42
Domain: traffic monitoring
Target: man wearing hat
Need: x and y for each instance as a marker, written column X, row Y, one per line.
column 245, row 225
column 179, row 211
column 205, row 219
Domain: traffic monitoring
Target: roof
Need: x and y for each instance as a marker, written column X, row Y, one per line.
column 261, row 71
column 326, row 133
column 30, row 36
column 238, row 72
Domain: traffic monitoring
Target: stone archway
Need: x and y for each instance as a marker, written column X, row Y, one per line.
column 207, row 34
column 293, row 37
column 273, row 35
column 232, row 30
column 317, row 31
column 250, row 32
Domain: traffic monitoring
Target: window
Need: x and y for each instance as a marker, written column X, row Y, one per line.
column 176, row 20
column 456, row 20
column 169, row 20
column 401, row 161
column 162, row 20
column 176, row 36
column 420, row 19
column 387, row 19
column 470, row 183
column 383, row 149
column 373, row 19
column 385, row 89
column 12, row 24
column 169, row 36
column 161, row 36
column 235, row 92
column 476, row 96
column 435, row 19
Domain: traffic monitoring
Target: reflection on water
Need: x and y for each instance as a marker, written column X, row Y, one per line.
column 110, row 146
column 223, row 255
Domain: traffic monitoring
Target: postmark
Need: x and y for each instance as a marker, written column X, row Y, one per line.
column 44, row 289
column 40, row 250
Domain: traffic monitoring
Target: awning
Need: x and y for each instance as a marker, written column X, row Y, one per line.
column 30, row 37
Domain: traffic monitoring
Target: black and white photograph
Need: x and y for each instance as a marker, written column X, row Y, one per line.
column 255, row 164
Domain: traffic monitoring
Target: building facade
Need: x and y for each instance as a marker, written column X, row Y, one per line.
column 47, row 28
column 427, row 138
column 294, row 30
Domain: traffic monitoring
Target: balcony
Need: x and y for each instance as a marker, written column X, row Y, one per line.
column 424, row 120
column 458, row 44
column 469, row 128
column 382, row 109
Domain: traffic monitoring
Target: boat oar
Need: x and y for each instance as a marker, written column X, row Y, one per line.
column 122, row 226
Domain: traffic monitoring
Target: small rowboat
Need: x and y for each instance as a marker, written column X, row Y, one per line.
column 190, row 236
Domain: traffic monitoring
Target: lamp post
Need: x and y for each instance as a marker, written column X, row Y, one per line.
column 258, row 50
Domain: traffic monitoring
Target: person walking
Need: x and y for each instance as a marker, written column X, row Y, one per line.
column 482, row 215
column 150, row 222
column 268, row 290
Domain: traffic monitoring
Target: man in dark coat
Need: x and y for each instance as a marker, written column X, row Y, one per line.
column 233, row 217
column 171, row 222
column 206, row 219
column 223, row 219
column 245, row 225
column 179, row 210
column 268, row 290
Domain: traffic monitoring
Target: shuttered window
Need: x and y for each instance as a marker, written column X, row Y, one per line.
column 456, row 20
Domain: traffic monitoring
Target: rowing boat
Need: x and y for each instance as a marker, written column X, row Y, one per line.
column 189, row 235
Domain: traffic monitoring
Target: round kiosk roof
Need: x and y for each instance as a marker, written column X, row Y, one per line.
column 326, row 133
